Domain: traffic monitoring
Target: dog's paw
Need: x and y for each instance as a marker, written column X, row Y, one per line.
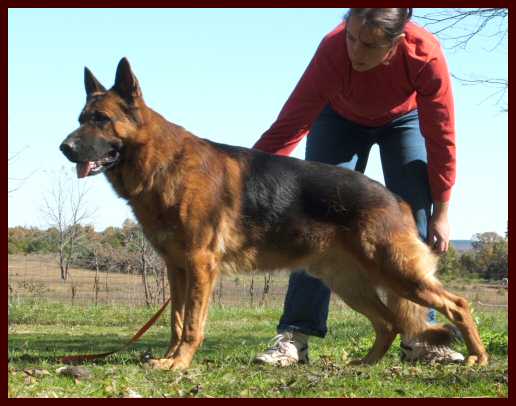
column 476, row 360
column 161, row 363
column 176, row 364
column 179, row 364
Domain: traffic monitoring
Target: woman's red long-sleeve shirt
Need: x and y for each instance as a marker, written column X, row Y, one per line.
column 416, row 77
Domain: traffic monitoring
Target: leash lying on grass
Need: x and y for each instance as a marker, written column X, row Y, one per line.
column 88, row 357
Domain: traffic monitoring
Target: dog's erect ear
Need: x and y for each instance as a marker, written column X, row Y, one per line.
column 91, row 83
column 126, row 84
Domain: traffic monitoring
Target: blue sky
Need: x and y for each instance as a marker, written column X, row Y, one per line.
column 224, row 74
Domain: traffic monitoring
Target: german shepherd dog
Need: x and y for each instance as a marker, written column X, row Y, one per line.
column 209, row 208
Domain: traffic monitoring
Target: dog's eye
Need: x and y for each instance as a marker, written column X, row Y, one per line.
column 100, row 118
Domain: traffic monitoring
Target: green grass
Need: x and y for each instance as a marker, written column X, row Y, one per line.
column 40, row 333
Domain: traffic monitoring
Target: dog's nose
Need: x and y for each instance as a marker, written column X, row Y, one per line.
column 67, row 148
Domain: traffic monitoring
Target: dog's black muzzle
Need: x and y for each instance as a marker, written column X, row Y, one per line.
column 69, row 150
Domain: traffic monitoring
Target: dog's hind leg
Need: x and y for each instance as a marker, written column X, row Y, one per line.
column 383, row 324
column 456, row 309
column 385, row 335
column 356, row 290
column 406, row 272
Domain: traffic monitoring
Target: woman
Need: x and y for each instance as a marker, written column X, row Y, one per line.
column 377, row 78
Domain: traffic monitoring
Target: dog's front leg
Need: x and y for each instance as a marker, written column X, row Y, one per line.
column 178, row 288
column 200, row 276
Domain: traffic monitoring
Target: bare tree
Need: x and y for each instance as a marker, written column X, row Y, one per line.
column 95, row 246
column 500, row 86
column 251, row 289
column 17, row 182
column 104, row 258
column 65, row 208
column 96, row 281
column 218, row 292
column 267, row 282
column 145, row 261
column 457, row 28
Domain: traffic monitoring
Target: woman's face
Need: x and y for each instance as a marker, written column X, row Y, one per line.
column 367, row 46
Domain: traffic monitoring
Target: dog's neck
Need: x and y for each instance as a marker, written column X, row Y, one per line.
column 156, row 136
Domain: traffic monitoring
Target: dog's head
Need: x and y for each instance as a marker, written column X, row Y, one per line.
column 110, row 120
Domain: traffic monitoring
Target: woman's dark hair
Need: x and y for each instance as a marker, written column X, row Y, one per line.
column 390, row 20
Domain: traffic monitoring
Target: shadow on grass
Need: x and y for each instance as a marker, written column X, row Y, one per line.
column 37, row 348
column 238, row 342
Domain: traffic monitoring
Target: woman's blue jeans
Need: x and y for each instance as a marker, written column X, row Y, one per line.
column 338, row 141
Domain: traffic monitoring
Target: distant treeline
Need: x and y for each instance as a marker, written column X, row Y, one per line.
column 116, row 249
column 125, row 249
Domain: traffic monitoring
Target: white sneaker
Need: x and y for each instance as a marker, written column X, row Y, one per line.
column 417, row 351
column 287, row 348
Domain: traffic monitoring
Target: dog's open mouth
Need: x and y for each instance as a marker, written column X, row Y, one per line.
column 90, row 168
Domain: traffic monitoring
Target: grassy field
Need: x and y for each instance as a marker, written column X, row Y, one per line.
column 40, row 332
column 46, row 322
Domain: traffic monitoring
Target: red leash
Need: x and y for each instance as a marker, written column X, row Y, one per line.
column 87, row 357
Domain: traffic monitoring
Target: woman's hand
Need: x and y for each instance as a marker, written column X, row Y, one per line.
column 439, row 228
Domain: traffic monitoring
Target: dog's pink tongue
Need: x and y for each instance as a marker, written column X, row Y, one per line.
column 83, row 169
